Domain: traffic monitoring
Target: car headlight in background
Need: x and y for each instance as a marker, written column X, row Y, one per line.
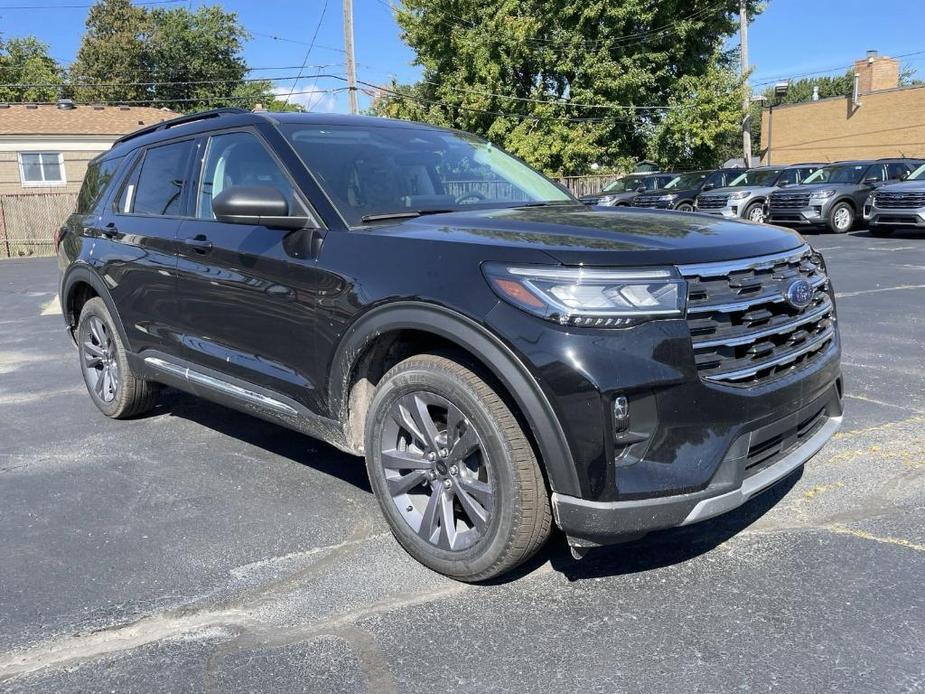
column 667, row 198
column 590, row 297
column 741, row 195
column 822, row 194
column 606, row 200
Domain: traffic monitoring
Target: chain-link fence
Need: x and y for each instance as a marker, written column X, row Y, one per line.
column 28, row 222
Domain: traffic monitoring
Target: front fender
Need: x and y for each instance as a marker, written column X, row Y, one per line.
column 487, row 349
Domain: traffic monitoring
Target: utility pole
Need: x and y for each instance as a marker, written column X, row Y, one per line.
column 746, row 101
column 348, row 49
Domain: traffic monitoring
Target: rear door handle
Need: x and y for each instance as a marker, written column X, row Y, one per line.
column 199, row 243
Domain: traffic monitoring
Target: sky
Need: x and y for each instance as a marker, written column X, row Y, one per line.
column 791, row 38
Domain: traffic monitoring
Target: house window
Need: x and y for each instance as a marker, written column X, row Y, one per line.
column 41, row 169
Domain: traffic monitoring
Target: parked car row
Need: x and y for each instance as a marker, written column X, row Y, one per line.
column 887, row 193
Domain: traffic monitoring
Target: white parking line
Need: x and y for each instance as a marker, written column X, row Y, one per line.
column 843, row 295
column 52, row 308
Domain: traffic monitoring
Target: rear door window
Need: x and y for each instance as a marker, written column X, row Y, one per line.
column 156, row 188
column 896, row 170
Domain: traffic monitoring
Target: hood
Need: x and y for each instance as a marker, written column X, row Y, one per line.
column 617, row 197
column 810, row 187
column 680, row 192
column 754, row 190
column 903, row 187
column 577, row 234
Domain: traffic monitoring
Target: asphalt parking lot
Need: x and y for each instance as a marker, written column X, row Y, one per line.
column 197, row 549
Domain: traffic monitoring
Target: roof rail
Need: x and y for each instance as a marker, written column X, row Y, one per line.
column 902, row 156
column 180, row 120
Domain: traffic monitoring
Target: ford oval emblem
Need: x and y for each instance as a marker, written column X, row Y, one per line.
column 799, row 294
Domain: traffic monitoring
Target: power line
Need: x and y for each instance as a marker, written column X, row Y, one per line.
column 324, row 8
column 824, row 71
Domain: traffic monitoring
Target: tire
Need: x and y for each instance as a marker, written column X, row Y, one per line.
column 113, row 387
column 880, row 232
column 754, row 213
column 841, row 218
column 684, row 207
column 432, row 396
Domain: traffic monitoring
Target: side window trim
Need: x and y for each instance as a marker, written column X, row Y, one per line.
column 200, row 159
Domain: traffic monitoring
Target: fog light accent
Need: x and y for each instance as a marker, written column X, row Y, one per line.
column 621, row 414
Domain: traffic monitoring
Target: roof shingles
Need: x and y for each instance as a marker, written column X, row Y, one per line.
column 23, row 119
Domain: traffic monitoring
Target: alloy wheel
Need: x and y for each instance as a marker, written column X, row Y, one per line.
column 98, row 358
column 842, row 218
column 756, row 214
column 437, row 471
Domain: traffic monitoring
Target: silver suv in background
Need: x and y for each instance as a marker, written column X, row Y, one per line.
column 746, row 195
column 834, row 196
column 622, row 191
column 897, row 205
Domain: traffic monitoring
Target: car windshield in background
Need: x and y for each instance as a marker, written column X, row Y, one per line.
column 688, row 180
column 838, row 174
column 625, row 185
column 374, row 172
column 917, row 175
column 765, row 177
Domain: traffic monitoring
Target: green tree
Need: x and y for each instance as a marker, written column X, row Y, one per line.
column 565, row 83
column 25, row 60
column 112, row 52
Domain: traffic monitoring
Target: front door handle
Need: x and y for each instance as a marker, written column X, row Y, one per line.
column 110, row 231
column 199, row 243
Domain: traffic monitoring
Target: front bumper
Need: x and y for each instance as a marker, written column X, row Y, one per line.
column 590, row 523
column 912, row 218
column 726, row 212
column 814, row 215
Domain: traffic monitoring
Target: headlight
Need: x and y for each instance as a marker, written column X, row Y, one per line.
column 870, row 200
column 822, row 194
column 668, row 197
column 606, row 200
column 590, row 297
column 741, row 195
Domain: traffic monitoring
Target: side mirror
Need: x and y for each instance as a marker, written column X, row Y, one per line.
column 871, row 181
column 256, row 206
column 641, row 189
column 783, row 184
column 709, row 186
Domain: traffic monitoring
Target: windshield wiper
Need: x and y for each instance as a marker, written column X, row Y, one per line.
column 407, row 214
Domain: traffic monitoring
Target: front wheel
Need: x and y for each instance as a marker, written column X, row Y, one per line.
column 685, row 207
column 755, row 213
column 841, row 218
column 454, row 473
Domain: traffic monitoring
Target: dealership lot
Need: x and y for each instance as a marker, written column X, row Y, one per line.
column 197, row 549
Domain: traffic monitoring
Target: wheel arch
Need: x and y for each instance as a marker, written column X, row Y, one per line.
column 79, row 284
column 369, row 340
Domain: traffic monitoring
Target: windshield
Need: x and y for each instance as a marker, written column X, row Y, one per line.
column 688, row 180
column 625, row 184
column 762, row 177
column 371, row 170
column 918, row 174
column 850, row 173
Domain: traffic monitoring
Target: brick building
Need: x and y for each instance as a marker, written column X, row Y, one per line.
column 885, row 120
column 45, row 148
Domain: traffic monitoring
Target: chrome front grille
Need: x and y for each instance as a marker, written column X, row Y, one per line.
column 648, row 201
column 743, row 328
column 789, row 201
column 712, row 202
column 900, row 201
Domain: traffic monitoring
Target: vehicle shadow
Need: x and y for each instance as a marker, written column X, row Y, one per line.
column 654, row 551
column 273, row 438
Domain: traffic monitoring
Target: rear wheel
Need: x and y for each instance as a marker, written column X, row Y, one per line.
column 104, row 364
column 755, row 213
column 881, row 231
column 454, row 474
column 841, row 218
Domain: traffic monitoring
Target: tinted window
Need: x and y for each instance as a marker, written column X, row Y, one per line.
column 840, row 173
column 896, row 171
column 755, row 177
column 96, row 181
column 374, row 170
column 687, row 180
column 717, row 179
column 875, row 173
column 239, row 159
column 625, row 184
column 160, row 181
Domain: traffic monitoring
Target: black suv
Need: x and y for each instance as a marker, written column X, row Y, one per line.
column 834, row 196
column 682, row 190
column 622, row 191
column 502, row 355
